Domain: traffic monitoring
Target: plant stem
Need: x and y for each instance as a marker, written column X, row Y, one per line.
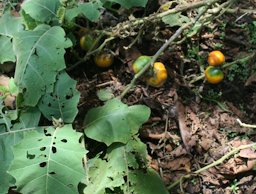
column 215, row 163
column 121, row 27
column 244, row 124
column 158, row 53
column 226, row 65
column 91, row 52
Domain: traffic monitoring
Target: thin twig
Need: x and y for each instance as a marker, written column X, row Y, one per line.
column 122, row 27
column 158, row 53
column 244, row 124
column 215, row 163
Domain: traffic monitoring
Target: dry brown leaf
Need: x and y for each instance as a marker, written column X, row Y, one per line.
column 250, row 80
column 182, row 163
column 186, row 135
column 9, row 101
column 248, row 153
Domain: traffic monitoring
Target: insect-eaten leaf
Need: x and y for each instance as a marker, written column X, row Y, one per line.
column 112, row 170
column 48, row 162
column 115, row 121
column 62, row 102
column 11, row 133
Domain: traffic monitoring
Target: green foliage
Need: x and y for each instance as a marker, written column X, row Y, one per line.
column 9, row 25
column 147, row 182
column 41, row 10
column 115, row 121
column 123, row 167
column 45, row 162
column 238, row 72
column 130, row 3
column 40, row 56
column 62, row 102
column 12, row 129
column 90, row 10
column 252, row 29
column 51, row 159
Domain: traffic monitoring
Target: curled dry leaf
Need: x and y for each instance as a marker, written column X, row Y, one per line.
column 182, row 163
column 9, row 100
column 186, row 133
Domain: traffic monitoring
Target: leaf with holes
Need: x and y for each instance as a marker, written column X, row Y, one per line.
column 62, row 102
column 9, row 25
column 115, row 121
column 11, row 135
column 40, row 56
column 112, row 170
column 48, row 162
column 41, row 10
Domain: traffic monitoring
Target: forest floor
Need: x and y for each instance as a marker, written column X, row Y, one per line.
column 192, row 124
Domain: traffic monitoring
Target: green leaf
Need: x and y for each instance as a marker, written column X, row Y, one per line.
column 175, row 19
column 6, row 53
column 41, row 10
column 40, row 56
column 12, row 87
column 8, row 137
column 105, row 94
column 114, row 167
column 62, row 102
column 115, row 121
column 9, row 25
column 48, row 162
column 148, row 182
column 89, row 9
column 130, row 3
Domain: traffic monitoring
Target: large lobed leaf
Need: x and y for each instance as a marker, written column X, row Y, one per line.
column 62, row 102
column 9, row 25
column 11, row 135
column 115, row 121
column 41, row 10
column 40, row 56
column 48, row 162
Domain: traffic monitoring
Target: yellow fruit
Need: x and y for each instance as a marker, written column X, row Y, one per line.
column 216, row 58
column 159, row 75
column 104, row 59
